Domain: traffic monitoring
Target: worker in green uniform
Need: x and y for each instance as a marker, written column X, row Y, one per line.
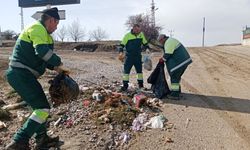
column 133, row 42
column 177, row 60
column 32, row 54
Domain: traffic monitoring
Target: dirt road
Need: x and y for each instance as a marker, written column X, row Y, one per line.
column 214, row 112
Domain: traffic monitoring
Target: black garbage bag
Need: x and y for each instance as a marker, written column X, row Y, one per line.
column 159, row 84
column 63, row 89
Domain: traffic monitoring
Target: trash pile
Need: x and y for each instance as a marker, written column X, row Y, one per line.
column 107, row 117
column 104, row 107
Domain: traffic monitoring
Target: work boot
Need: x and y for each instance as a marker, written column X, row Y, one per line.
column 174, row 95
column 17, row 146
column 45, row 142
column 124, row 87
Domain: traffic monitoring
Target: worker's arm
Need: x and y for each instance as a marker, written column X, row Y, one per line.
column 123, row 43
column 166, row 56
column 50, row 67
column 144, row 42
column 39, row 39
column 121, row 48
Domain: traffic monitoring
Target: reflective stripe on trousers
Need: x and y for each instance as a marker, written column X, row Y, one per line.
column 40, row 115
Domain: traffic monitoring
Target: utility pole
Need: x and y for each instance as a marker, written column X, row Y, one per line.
column 203, row 32
column 22, row 22
column 1, row 42
column 153, row 9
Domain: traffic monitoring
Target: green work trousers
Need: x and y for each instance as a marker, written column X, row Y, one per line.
column 30, row 90
column 131, row 61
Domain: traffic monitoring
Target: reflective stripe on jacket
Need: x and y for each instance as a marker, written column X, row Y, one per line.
column 34, row 49
column 176, row 55
column 133, row 43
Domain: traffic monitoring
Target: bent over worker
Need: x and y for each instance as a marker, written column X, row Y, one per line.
column 134, row 42
column 177, row 59
column 32, row 54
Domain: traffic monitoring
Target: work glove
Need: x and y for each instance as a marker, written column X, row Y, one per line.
column 62, row 69
column 120, row 48
column 121, row 57
column 162, row 60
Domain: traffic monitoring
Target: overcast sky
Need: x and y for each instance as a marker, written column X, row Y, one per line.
column 225, row 19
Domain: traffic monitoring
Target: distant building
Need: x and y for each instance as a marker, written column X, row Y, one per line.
column 246, row 36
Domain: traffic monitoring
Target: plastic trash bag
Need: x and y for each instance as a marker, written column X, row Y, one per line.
column 63, row 89
column 156, row 122
column 147, row 62
column 159, row 84
column 138, row 122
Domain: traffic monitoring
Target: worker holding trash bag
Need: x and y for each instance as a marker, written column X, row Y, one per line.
column 177, row 60
column 32, row 54
column 133, row 42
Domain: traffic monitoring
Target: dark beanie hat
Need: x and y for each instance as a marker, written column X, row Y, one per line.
column 52, row 12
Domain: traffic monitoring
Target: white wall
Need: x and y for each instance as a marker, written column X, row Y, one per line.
column 246, row 41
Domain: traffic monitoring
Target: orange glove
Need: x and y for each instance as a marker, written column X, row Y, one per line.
column 62, row 69
column 121, row 57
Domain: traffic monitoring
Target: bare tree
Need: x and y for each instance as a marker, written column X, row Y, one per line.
column 75, row 31
column 8, row 34
column 61, row 33
column 150, row 30
column 98, row 34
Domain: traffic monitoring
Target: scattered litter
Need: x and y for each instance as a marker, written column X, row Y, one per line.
column 58, row 121
column 138, row 122
column 124, row 137
column 86, row 103
column 187, row 122
column 83, row 88
column 14, row 106
column 97, row 96
column 111, row 127
column 156, row 122
column 69, row 123
column 2, row 125
column 169, row 125
column 139, row 99
column 22, row 116
column 169, row 140
column 155, row 102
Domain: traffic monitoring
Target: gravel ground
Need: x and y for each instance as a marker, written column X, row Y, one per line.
column 212, row 114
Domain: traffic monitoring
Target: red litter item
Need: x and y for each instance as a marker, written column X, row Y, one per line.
column 86, row 103
column 69, row 123
column 139, row 99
